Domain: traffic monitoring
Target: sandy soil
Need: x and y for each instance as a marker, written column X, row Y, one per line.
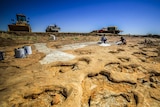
column 80, row 73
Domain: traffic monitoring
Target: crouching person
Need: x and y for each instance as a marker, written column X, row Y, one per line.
column 122, row 41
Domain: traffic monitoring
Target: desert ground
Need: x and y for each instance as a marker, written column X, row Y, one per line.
column 77, row 71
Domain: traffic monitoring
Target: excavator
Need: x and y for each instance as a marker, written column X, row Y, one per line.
column 20, row 25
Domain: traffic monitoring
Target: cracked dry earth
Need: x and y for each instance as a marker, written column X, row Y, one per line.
column 113, row 76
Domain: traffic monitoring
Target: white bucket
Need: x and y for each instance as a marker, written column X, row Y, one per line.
column 19, row 53
column 105, row 44
column 28, row 50
column 53, row 37
column 119, row 42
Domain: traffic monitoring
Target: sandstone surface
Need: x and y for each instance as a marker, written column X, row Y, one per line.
column 75, row 71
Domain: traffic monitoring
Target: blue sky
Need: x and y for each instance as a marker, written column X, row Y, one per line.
column 131, row 16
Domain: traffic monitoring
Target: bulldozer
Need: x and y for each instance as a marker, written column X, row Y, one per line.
column 20, row 25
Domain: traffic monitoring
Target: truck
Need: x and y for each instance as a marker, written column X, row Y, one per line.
column 110, row 29
column 53, row 28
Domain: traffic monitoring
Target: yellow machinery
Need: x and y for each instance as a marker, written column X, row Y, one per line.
column 20, row 25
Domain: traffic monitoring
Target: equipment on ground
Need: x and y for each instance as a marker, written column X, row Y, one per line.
column 1, row 55
column 23, row 52
column 21, row 24
column 53, row 28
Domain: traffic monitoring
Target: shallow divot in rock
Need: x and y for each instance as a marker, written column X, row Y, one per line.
column 126, row 96
column 114, row 52
column 134, row 65
column 83, row 52
column 113, row 63
column 120, row 50
column 143, row 80
column 85, row 59
column 65, row 64
column 139, row 99
column 73, row 66
column 147, row 49
column 82, row 63
column 101, row 91
column 139, row 54
column 113, row 66
column 143, row 59
column 134, row 68
column 155, row 94
column 151, row 53
column 124, row 59
column 108, row 98
column 90, row 75
column 155, row 77
column 154, row 73
column 136, row 99
column 89, row 101
column 117, row 67
column 3, row 67
column 2, row 89
column 152, row 85
column 132, row 46
column 64, row 67
column 48, row 97
column 56, row 46
column 114, row 80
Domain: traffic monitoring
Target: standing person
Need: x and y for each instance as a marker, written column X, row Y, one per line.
column 103, row 39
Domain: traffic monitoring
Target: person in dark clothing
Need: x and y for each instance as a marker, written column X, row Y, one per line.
column 123, row 41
